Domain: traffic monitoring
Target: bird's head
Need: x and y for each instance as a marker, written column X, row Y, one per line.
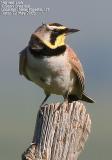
column 53, row 35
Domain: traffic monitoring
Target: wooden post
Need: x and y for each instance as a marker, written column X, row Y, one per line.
column 60, row 133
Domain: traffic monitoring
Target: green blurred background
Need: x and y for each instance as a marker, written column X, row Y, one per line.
column 20, row 99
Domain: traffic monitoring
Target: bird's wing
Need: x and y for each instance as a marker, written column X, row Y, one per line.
column 23, row 63
column 77, row 69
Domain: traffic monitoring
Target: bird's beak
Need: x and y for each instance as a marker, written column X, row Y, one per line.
column 70, row 30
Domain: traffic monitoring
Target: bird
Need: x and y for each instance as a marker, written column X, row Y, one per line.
column 52, row 64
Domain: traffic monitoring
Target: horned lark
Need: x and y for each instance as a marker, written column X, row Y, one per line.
column 50, row 63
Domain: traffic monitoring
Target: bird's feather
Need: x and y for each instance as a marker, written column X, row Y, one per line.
column 23, row 63
column 77, row 69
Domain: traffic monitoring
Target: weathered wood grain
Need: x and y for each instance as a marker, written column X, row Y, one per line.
column 60, row 133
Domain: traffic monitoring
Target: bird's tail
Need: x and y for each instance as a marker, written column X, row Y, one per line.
column 86, row 98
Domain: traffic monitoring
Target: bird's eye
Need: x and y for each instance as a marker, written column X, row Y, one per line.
column 55, row 32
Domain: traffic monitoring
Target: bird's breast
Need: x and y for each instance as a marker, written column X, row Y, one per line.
column 53, row 74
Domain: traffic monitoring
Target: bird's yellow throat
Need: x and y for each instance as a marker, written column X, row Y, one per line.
column 60, row 41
